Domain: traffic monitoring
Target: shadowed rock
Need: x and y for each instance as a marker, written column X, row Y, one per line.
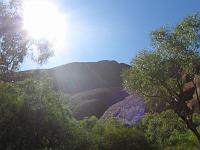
column 92, row 86
column 128, row 111
column 83, row 76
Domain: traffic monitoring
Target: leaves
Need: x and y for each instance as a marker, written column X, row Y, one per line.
column 160, row 73
column 15, row 44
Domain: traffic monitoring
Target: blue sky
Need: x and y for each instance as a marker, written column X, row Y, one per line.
column 113, row 29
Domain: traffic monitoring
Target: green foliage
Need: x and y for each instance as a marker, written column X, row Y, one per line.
column 124, row 138
column 160, row 127
column 15, row 44
column 196, row 118
column 33, row 117
column 168, row 131
column 155, row 131
column 161, row 75
column 115, row 136
column 157, row 74
column 29, row 116
column 185, row 146
column 89, row 122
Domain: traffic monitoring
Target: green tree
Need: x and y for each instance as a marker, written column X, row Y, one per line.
column 166, row 129
column 118, row 137
column 89, row 122
column 115, row 136
column 162, row 75
column 33, row 117
column 125, row 138
column 15, row 44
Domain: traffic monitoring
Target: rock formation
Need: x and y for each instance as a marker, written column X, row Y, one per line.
column 128, row 111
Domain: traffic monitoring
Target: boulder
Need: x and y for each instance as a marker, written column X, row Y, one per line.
column 128, row 111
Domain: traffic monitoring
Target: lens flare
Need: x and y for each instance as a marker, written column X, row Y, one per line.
column 43, row 20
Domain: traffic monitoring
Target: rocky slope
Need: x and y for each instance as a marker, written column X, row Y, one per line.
column 92, row 86
column 95, row 102
column 128, row 111
column 83, row 76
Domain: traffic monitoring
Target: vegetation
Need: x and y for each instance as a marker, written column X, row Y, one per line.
column 34, row 116
column 166, row 129
column 15, row 44
column 93, row 102
column 168, row 76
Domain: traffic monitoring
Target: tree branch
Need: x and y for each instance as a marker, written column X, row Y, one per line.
column 196, row 92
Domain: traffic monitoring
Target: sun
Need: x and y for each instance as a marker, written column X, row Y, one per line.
column 43, row 20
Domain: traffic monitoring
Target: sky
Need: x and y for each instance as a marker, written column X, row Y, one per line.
column 113, row 29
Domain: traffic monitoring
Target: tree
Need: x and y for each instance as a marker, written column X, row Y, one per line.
column 33, row 117
column 168, row 75
column 15, row 44
column 162, row 128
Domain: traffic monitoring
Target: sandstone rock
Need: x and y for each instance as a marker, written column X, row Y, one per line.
column 128, row 111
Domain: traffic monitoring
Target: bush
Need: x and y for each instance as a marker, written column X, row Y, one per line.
column 166, row 129
column 33, row 117
column 115, row 136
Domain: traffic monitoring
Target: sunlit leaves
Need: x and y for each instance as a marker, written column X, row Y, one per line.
column 159, row 128
column 15, row 44
column 159, row 73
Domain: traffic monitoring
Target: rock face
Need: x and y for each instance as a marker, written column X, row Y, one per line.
column 92, row 86
column 128, row 111
column 95, row 102
column 83, row 76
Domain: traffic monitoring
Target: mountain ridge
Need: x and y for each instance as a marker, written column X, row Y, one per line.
column 92, row 86
column 83, row 76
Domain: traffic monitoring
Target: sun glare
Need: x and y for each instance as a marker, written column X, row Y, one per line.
column 43, row 20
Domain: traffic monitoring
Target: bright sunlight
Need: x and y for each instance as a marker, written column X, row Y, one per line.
column 43, row 20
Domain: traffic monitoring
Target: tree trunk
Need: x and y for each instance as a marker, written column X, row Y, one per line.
column 196, row 92
column 190, row 125
column 195, row 131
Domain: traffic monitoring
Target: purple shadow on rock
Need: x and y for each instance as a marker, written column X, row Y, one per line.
column 117, row 97
column 129, row 111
